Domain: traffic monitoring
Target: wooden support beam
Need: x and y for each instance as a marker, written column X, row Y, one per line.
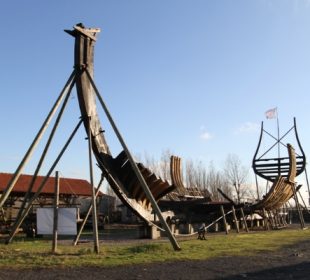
column 56, row 206
column 94, row 204
column 266, row 223
column 224, row 219
column 46, row 148
column 251, row 220
column 76, row 240
column 300, row 215
column 35, row 142
column 235, row 219
column 244, row 220
column 19, row 221
column 217, row 220
column 271, row 219
column 140, row 178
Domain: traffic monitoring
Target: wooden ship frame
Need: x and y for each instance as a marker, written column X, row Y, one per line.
column 281, row 172
column 136, row 186
column 270, row 168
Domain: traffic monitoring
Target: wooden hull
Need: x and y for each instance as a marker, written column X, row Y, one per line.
column 118, row 171
column 282, row 189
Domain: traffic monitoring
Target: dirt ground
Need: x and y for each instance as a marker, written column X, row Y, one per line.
column 289, row 263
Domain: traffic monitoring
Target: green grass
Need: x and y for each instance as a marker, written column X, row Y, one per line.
column 26, row 254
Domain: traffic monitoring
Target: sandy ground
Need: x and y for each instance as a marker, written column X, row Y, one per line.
column 289, row 263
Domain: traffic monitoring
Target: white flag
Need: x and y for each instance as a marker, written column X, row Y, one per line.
column 271, row 114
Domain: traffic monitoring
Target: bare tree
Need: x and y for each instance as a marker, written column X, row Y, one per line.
column 212, row 181
column 150, row 162
column 165, row 164
column 190, row 173
column 236, row 175
column 196, row 178
column 200, row 176
column 225, row 186
column 215, row 181
column 160, row 167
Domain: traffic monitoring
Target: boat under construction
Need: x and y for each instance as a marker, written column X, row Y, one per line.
column 163, row 206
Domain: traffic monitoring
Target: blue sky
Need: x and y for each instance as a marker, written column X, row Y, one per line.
column 194, row 77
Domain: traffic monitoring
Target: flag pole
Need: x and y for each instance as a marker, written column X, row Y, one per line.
column 272, row 114
column 278, row 129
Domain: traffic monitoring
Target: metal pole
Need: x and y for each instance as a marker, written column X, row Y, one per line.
column 144, row 185
column 36, row 140
column 76, row 240
column 94, row 205
column 36, row 195
column 56, row 205
column 278, row 129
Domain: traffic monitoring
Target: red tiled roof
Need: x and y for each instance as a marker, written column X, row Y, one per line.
column 66, row 185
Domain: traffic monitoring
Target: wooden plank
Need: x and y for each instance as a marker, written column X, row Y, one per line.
column 87, row 32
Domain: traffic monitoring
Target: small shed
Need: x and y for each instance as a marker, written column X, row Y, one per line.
column 71, row 192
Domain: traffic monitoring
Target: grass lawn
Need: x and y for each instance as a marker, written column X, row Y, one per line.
column 37, row 253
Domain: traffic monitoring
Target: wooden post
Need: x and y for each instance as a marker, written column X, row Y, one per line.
column 285, row 217
column 56, row 206
column 235, row 219
column 269, row 219
column 35, row 142
column 76, row 240
column 277, row 219
column 244, row 220
column 251, row 220
column 224, row 219
column 286, row 214
column 282, row 220
column 301, row 218
column 281, row 217
column 44, row 153
column 270, row 215
column 273, row 217
column 216, row 221
column 266, row 225
column 135, row 168
column 40, row 188
column 94, row 204
column 303, row 201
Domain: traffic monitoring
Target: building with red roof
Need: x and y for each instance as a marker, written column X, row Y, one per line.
column 72, row 193
column 67, row 186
